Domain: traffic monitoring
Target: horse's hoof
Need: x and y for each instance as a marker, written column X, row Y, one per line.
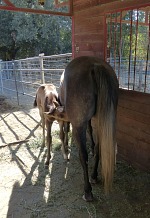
column 88, row 197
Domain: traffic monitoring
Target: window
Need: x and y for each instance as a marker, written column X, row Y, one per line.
column 128, row 47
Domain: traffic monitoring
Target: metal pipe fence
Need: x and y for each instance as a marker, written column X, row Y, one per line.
column 19, row 79
column 137, row 78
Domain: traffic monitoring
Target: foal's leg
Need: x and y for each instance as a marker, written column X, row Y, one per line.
column 43, row 125
column 49, row 141
column 80, row 137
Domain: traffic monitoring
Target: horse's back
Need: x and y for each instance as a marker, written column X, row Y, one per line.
column 79, row 88
column 79, row 93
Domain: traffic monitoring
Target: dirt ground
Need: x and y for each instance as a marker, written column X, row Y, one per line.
column 27, row 190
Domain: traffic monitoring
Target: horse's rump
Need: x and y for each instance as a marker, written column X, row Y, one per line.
column 80, row 86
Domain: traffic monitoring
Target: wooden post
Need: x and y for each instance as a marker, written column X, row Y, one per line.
column 15, row 75
column 41, row 67
column 1, row 79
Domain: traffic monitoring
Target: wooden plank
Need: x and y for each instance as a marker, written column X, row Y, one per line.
column 89, row 53
column 87, row 28
column 134, row 96
column 135, row 147
column 125, row 139
column 109, row 7
column 90, row 12
column 96, row 18
column 135, row 155
column 133, row 131
column 93, row 37
column 134, row 115
column 133, row 123
column 138, row 163
column 133, row 105
column 84, row 4
column 89, row 46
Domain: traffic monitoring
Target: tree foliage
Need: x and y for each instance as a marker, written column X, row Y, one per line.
column 24, row 34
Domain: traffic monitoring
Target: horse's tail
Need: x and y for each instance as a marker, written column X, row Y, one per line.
column 35, row 102
column 107, row 99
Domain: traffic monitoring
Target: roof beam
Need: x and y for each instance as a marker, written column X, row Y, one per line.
column 11, row 7
column 35, row 11
column 8, row 3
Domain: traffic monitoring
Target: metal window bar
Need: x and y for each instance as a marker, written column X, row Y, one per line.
column 129, row 67
column 115, row 33
column 148, row 53
column 109, row 35
column 120, row 46
column 132, row 37
column 137, row 21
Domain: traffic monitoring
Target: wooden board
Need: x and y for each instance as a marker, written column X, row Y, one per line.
column 133, row 128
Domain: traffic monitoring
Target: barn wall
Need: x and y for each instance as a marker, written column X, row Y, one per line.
column 133, row 128
column 89, row 27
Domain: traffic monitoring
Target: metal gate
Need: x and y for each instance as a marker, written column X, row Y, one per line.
column 19, row 79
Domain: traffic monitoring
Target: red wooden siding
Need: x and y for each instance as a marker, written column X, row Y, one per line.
column 88, row 35
column 84, row 4
column 133, row 128
column 89, row 28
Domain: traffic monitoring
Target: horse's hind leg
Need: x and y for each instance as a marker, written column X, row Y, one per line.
column 90, row 134
column 80, row 137
column 95, row 168
column 49, row 141
column 64, row 129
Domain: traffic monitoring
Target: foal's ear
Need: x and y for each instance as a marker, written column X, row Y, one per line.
column 47, row 113
column 56, row 103
column 60, row 109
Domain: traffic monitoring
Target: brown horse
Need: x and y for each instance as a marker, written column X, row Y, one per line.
column 47, row 101
column 89, row 90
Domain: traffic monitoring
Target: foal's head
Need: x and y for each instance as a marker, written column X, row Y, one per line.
column 51, row 102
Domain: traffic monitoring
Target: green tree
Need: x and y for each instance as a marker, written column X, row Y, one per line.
column 25, row 34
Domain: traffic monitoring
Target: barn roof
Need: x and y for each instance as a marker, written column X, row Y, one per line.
column 64, row 7
column 58, row 7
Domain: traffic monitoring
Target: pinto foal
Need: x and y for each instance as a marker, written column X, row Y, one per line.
column 47, row 101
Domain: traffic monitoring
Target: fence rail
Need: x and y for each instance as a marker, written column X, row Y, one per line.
column 19, row 79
